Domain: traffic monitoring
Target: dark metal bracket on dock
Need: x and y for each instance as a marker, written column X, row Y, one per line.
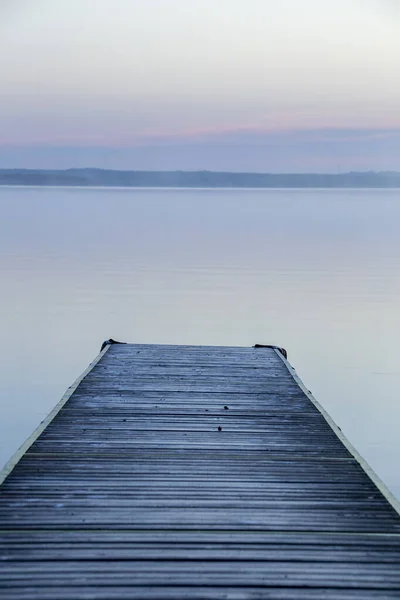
column 281, row 350
column 109, row 343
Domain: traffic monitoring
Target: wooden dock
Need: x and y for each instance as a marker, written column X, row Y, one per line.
column 172, row 472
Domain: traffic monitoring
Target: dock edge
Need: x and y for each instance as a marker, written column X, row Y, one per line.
column 16, row 457
column 361, row 461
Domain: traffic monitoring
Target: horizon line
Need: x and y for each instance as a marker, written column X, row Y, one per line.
column 192, row 171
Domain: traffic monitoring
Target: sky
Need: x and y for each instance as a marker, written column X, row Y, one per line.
column 232, row 85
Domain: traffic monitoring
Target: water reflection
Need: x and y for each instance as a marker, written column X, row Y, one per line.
column 316, row 271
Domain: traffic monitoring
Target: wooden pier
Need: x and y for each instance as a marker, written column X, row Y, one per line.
column 172, row 472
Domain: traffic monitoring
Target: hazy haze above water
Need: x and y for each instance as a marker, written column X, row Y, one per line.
column 315, row 271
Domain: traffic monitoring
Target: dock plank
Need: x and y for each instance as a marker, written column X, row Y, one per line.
column 194, row 472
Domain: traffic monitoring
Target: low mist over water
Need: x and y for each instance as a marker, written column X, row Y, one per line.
column 316, row 271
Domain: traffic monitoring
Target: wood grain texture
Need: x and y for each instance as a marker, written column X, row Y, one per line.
column 194, row 472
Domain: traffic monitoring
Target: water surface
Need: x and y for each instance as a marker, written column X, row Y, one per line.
column 315, row 271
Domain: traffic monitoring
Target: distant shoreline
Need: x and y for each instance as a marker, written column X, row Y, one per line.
column 195, row 179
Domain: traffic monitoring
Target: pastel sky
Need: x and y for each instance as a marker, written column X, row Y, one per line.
column 254, row 85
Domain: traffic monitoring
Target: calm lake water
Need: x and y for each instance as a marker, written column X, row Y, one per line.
column 315, row 271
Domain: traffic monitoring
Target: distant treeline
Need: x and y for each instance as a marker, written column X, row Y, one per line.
column 105, row 177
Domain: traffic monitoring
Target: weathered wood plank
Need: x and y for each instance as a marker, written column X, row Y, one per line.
column 193, row 592
column 132, row 491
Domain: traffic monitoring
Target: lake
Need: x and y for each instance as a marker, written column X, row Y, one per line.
column 314, row 271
